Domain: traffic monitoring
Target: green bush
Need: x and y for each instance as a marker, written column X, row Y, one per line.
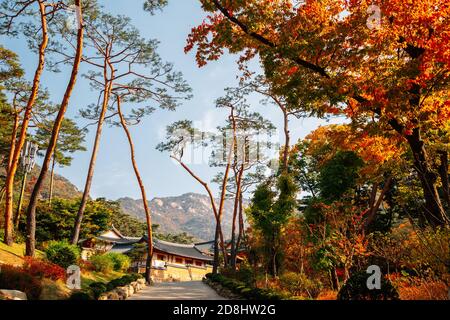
column 13, row 278
column 97, row 289
column 81, row 295
column 120, row 261
column 102, row 263
column 242, row 289
column 123, row 281
column 62, row 253
column 245, row 274
column 356, row 289
column 299, row 284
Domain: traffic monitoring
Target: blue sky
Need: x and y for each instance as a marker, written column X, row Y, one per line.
column 114, row 177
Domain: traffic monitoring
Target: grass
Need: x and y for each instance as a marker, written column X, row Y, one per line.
column 90, row 277
column 54, row 290
column 14, row 254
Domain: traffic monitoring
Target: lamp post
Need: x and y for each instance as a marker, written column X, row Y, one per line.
column 28, row 156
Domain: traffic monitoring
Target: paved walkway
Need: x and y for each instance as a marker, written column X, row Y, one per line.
column 191, row 290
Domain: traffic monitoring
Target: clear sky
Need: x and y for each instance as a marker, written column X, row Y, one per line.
column 114, row 177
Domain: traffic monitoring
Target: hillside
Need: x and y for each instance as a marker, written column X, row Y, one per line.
column 190, row 213
column 62, row 187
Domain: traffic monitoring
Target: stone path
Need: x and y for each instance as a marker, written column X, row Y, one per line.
column 190, row 290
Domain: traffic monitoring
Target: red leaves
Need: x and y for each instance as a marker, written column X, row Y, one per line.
column 204, row 37
column 43, row 269
column 292, row 70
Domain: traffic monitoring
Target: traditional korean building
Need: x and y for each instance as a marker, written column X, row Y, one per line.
column 171, row 261
column 105, row 243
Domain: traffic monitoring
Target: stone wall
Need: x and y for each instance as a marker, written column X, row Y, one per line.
column 123, row 293
column 221, row 291
column 176, row 273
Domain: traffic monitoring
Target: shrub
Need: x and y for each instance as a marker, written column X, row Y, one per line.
column 102, row 263
column 121, row 262
column 327, row 295
column 43, row 269
column 299, row 284
column 86, row 265
column 81, row 295
column 242, row 289
column 62, row 253
column 415, row 288
column 98, row 288
column 123, row 281
column 356, row 289
column 245, row 274
column 13, row 278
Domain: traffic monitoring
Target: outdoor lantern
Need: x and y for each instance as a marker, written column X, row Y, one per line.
column 28, row 154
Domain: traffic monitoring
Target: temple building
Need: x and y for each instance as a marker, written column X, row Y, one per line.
column 171, row 261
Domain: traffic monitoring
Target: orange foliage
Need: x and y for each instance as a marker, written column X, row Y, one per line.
column 420, row 289
column 375, row 150
column 328, row 295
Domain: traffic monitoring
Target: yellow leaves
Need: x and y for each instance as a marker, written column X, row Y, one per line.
column 374, row 150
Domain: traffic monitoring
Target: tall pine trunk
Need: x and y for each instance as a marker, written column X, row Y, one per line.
column 144, row 196
column 9, row 184
column 90, row 175
column 222, row 200
column 31, row 211
column 218, row 234
column 234, row 247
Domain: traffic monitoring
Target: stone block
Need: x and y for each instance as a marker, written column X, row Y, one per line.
column 12, row 295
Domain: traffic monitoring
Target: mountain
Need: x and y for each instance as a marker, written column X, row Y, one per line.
column 62, row 187
column 190, row 213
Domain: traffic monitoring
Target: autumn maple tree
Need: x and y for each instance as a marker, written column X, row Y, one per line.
column 389, row 76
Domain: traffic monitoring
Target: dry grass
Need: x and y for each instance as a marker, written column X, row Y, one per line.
column 433, row 290
column 13, row 255
column 54, row 290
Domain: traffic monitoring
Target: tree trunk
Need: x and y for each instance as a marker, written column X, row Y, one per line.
column 19, row 206
column 143, row 193
column 223, row 195
column 434, row 212
column 241, row 223
column 335, row 280
column 234, row 247
column 11, row 153
column 90, row 175
column 287, row 141
column 13, row 139
column 443, row 172
column 216, row 261
column 374, row 206
column 2, row 195
column 218, row 234
column 31, row 211
column 23, row 132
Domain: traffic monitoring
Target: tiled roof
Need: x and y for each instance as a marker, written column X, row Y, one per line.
column 125, row 244
column 124, row 240
column 184, row 250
